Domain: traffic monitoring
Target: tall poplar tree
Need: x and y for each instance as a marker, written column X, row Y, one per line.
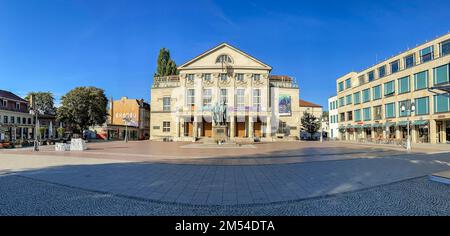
column 165, row 65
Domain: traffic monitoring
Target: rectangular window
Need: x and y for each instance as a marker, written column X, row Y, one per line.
column 348, row 99
column 362, row 80
column 376, row 92
column 349, row 116
column 240, row 77
column 426, row 54
column 166, row 126
column 381, row 71
column 190, row 77
column 17, row 106
column 406, row 104
column 366, row 95
column 342, row 118
column 422, row 106
column 256, row 77
column 371, row 76
column 341, row 102
column 207, row 98
column 240, row 99
column 389, row 88
column 441, row 103
column 357, row 98
column 24, row 120
column 367, row 114
column 421, row 80
column 13, row 120
column 223, row 77
column 257, row 99
column 390, row 110
column 224, row 96
column 341, row 86
column 409, row 61
column 191, row 97
column 29, row 121
column 5, row 119
column 394, row 66
column 18, row 120
column 208, row 77
column 358, row 115
column 403, row 85
column 441, row 75
column 348, row 83
column 166, row 104
column 377, row 113
column 5, row 103
column 445, row 48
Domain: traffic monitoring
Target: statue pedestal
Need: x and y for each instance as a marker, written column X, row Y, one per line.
column 77, row 144
column 219, row 133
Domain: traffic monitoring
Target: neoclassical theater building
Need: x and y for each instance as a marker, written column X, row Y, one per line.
column 260, row 106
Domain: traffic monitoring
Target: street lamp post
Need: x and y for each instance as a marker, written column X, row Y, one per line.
column 408, row 107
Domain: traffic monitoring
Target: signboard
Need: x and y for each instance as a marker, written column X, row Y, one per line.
column 284, row 105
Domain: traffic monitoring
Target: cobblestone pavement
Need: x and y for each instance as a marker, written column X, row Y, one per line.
column 240, row 184
column 419, row 196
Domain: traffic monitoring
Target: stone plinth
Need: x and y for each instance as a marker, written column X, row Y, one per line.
column 62, row 147
column 219, row 133
column 77, row 144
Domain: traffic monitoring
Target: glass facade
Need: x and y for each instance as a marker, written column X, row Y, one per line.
column 422, row 106
column 341, row 86
column 395, row 67
column 381, row 71
column 357, row 98
column 371, row 76
column 426, row 54
column 348, row 99
column 357, row 115
column 441, row 75
column 348, row 83
column 376, row 92
column 366, row 95
column 445, row 48
column 367, row 114
column 341, row 102
column 377, row 113
column 406, row 104
column 441, row 103
column 390, row 110
column 403, row 85
column 409, row 61
column 421, row 80
column 389, row 88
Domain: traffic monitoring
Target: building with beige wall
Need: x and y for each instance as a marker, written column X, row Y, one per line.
column 16, row 123
column 126, row 115
column 259, row 105
column 370, row 101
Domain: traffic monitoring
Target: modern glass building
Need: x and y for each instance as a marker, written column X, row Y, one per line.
column 370, row 102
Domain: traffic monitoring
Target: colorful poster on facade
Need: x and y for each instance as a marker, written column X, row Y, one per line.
column 284, row 105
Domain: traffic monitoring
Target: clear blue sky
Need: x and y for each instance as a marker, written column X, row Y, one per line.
column 56, row 45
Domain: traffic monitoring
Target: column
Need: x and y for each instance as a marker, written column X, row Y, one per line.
column 444, row 131
column 384, row 133
column 397, row 133
column 233, row 126
column 433, row 133
column 373, row 133
column 268, row 127
column 414, row 133
column 195, row 129
column 13, row 135
column 177, row 127
column 250, row 127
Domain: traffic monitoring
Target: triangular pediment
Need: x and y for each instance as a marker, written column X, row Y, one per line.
column 239, row 59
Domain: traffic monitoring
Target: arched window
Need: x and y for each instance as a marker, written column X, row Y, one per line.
column 224, row 59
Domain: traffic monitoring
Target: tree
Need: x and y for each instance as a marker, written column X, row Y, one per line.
column 44, row 102
column 164, row 65
column 83, row 107
column 325, row 115
column 310, row 123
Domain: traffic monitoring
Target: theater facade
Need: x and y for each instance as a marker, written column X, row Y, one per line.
column 259, row 105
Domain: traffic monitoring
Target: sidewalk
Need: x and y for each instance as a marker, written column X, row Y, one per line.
column 415, row 147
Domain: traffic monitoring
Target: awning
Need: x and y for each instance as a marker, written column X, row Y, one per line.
column 349, row 126
column 389, row 124
column 367, row 125
column 377, row 125
column 357, row 126
column 444, row 87
column 420, row 122
column 402, row 123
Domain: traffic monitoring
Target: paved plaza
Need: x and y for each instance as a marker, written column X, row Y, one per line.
column 257, row 178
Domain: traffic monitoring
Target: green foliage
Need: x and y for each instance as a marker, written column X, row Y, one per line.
column 83, row 107
column 310, row 123
column 44, row 102
column 41, row 132
column 61, row 131
column 165, row 65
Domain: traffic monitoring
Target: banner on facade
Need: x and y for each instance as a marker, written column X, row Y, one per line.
column 284, row 105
